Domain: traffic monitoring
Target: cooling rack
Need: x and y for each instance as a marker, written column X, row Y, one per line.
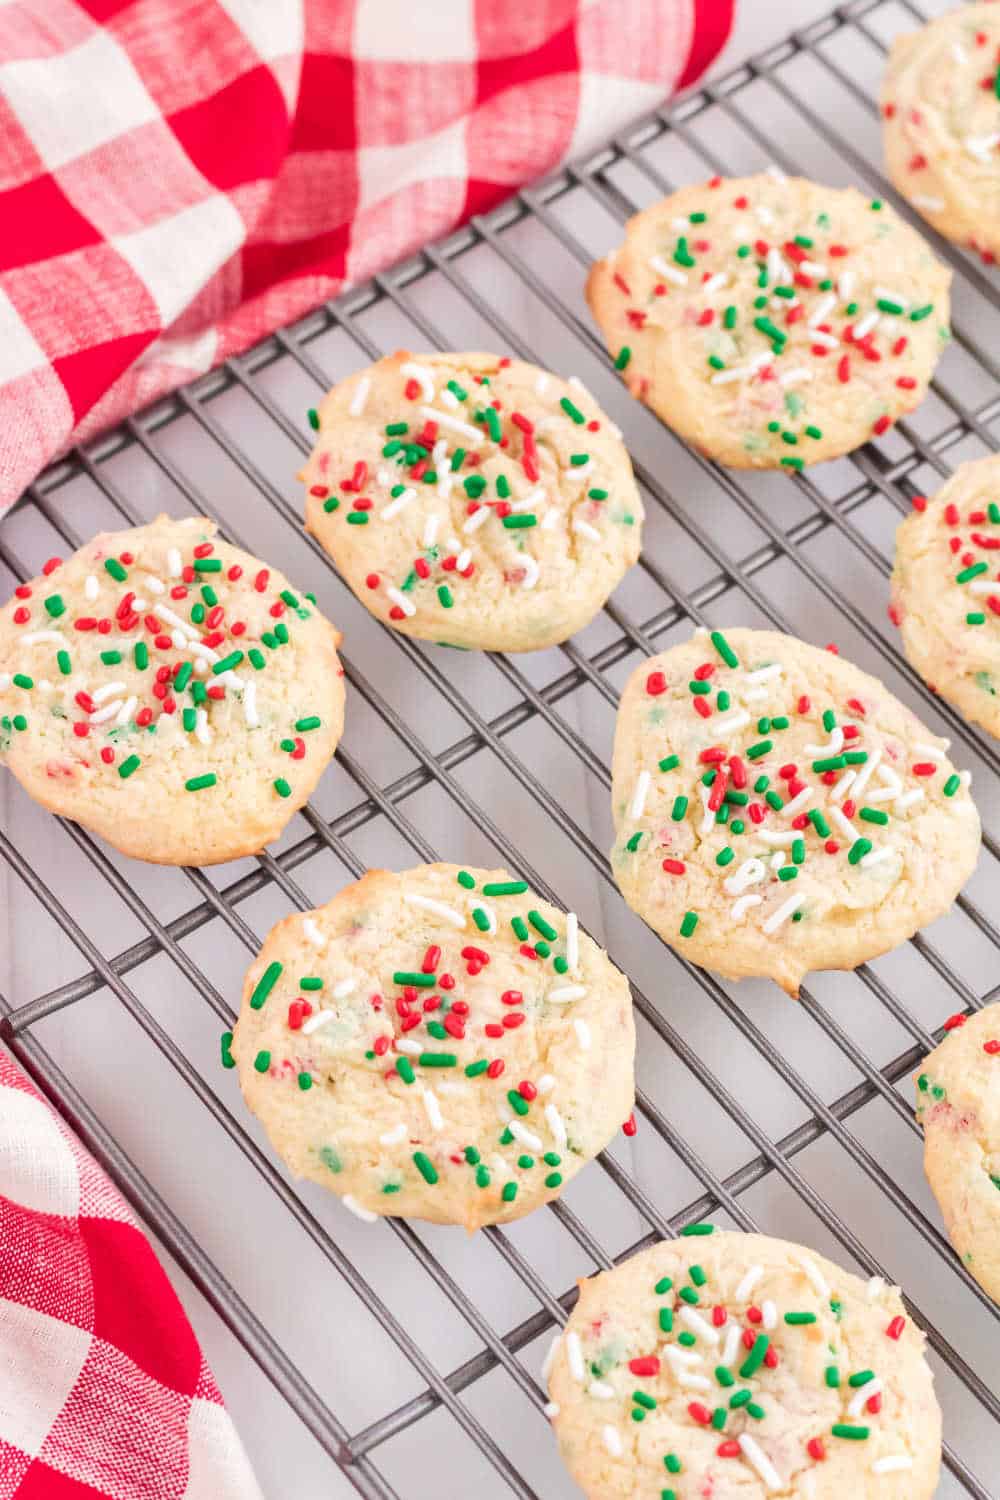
column 401, row 1360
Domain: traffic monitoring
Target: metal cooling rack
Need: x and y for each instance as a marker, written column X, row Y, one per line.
column 753, row 1111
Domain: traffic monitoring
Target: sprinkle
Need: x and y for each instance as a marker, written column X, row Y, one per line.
column 555, row 1123
column 353, row 1206
column 845, row 1430
column 199, row 783
column 689, row 923
column 262, row 1061
column 787, row 909
column 128, row 766
column 574, row 1356
column 748, row 1283
column 612, row 1440
column 425, row 1166
column 818, row 1280
column 448, row 913
column 759, row 1461
column 892, row 1464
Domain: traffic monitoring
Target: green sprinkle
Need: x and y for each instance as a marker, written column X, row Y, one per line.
column 199, row 783
column 832, row 1377
column 436, row 1030
column 689, row 1295
column 830, row 763
column 724, row 649
column 55, row 605
column 716, row 363
column 875, row 205
column 975, row 617
column 114, row 567
column 846, row 1430
column 226, row 1041
column 520, row 927
column 799, row 851
column 437, row 1060
column 723, row 1376
column 572, row 411
column 425, row 1166
column 973, row 571
column 855, row 757
column 719, row 1416
column 765, row 326
column 886, row 305
column 754, row 1410
column 525, row 1162
column 189, row 719
column 725, row 856
column 553, row 1180
column 597, row 494
column 405, row 1069
column 257, row 659
column 128, row 766
column 66, row 666
column 788, row 872
column 331, row 504
column 697, row 1231
column 304, row 725
column 624, row 355
column 227, row 663
column 22, row 680
column 396, row 429
column 503, row 487
column 505, row 888
column 262, row 1061
column 518, row 1105
column 211, row 598
column 183, row 677
column 763, row 747
column 666, row 1319
column 552, row 1158
column 874, row 815
column 465, row 879
column 795, row 1319
column 689, row 923
column 993, row 511
column 480, row 918
column 311, row 982
column 687, row 1339
column 281, row 787
column 663, row 1286
column 682, row 254
column 820, row 824
column 679, row 808
column 774, row 800
column 357, row 518
column 482, row 1176
column 672, row 1463
column 457, row 460
column 473, row 1070
column 740, row 1399
column 755, row 1358
column 858, row 850
column 641, row 1399
column 860, row 1378
column 793, row 463
column 697, row 1275
column 305, row 1081
column 920, row 313
column 560, row 964
column 633, row 843
column 670, row 762
column 700, row 689
column 814, row 432
column 265, row 984
column 519, row 522
column 729, row 317
column 539, row 923
column 207, row 565
column 313, row 416
column 509, row 1192
column 829, row 720
column 952, row 785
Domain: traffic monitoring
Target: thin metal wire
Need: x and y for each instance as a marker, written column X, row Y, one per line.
column 877, row 475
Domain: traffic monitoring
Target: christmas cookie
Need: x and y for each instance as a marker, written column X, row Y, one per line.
column 778, row 810
column 958, row 1104
column 738, row 1366
column 471, row 500
column 439, row 1044
column 770, row 321
column 946, row 591
column 941, row 124
column 169, row 692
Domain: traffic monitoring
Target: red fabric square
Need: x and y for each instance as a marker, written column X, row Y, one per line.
column 323, row 254
column 184, row 53
column 28, row 29
column 89, row 372
column 400, row 102
column 507, row 30
column 713, row 21
column 557, row 54
column 13, row 1466
column 325, row 117
column 118, row 189
column 518, row 137
column 44, row 1483
column 45, row 1264
column 135, row 1307
column 105, row 10
column 39, row 221
column 75, row 301
column 218, row 139
column 308, row 179
column 19, row 161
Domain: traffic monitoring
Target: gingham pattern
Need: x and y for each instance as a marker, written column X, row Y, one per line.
column 180, row 177
column 103, row 1388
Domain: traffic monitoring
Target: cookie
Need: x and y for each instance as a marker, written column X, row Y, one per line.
column 169, row 692
column 958, row 1104
column 735, row 1365
column 777, row 810
column 941, row 124
column 770, row 321
column 471, row 500
column 439, row 1044
column 946, row 591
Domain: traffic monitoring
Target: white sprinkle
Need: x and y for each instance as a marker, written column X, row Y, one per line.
column 400, row 503
column 778, row 918
column 857, row 1404
column 924, row 200
column 546, row 1083
column 844, row 823
column 549, row 520
column 555, row 1123
column 680, row 223
column 578, row 474
column 816, row 1277
column 550, row 1357
column 178, row 640
column 551, row 1408
column 909, row 799
column 695, row 1382
column 4, row 681
column 980, row 146
column 582, row 1034
column 893, row 1463
column 668, row 272
column 768, row 1315
column 699, row 1325
column 739, row 908
column 204, row 653
column 350, row 1202
column 813, row 268
column 600, row 1390
column 91, row 587
column 866, row 325
column 833, row 746
column 454, row 424
column 405, row 1045
column 731, row 725
column 343, row 988
column 875, row 1288
column 730, row 1348
column 534, row 497
column 108, row 690
column 405, row 605
column 174, row 564
column 715, row 282
column 478, row 518
column 35, row 636
column 750, row 872
column 488, row 912
column 585, row 529
column 449, row 398
column 530, row 571
column 360, row 396
column 708, row 820
column 427, row 903
column 463, row 560
column 572, row 941
column 793, row 808
column 524, row 1135
column 104, row 714
column 431, row 530
column 799, row 376
column 639, row 795
column 164, row 612
column 776, row 173
column 726, row 377
column 250, row 714
column 541, row 385
column 777, row 266
column 759, row 1461
column 959, row 53
column 612, row 1440
column 876, row 856
column 394, row 1136
column 983, row 586
column 826, row 339
column 315, row 1022
column 578, row 385
column 679, row 1357
column 764, row 674
column 777, row 860
column 764, row 214
column 500, row 1167
column 843, row 786
column 845, row 285
column 433, row 1109
column 746, row 1286
column 154, row 585
column 565, row 993
column 867, row 771
column 933, row 752
column 202, row 733
column 777, row 840
column 574, row 1355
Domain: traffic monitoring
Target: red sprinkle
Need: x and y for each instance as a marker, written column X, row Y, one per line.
column 719, row 1316
column 729, row 1449
column 703, row 708
column 884, row 422
column 992, row 1046
column 495, row 1068
column 699, row 1413
column 803, row 705
column 527, row 1090
column 431, row 959
column 630, row 1127
column 81, row 730
column 656, row 683
column 814, row 1447
column 674, row 866
column 107, row 755
column 895, row 1328
column 919, row 502
column 647, row 1365
column 51, row 565
column 953, row 1022
column 924, row 768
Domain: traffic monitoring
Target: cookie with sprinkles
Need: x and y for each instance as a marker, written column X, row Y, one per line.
column 770, row 321
column 946, row 590
column 740, row 1366
column 958, row 1104
column 437, row 1044
column 940, row 102
column 472, row 500
column 169, row 692
column 777, row 810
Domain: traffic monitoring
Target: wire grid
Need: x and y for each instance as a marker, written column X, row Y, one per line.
column 794, row 553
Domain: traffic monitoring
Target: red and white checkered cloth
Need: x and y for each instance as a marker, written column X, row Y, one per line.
column 180, row 177
column 104, row 1391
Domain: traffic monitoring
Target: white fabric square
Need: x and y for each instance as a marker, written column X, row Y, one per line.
column 608, row 103
column 41, row 1359
column 383, row 170
column 399, row 31
column 217, row 1464
column 178, row 255
column 37, row 1166
column 275, row 28
column 74, row 101
column 19, row 351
